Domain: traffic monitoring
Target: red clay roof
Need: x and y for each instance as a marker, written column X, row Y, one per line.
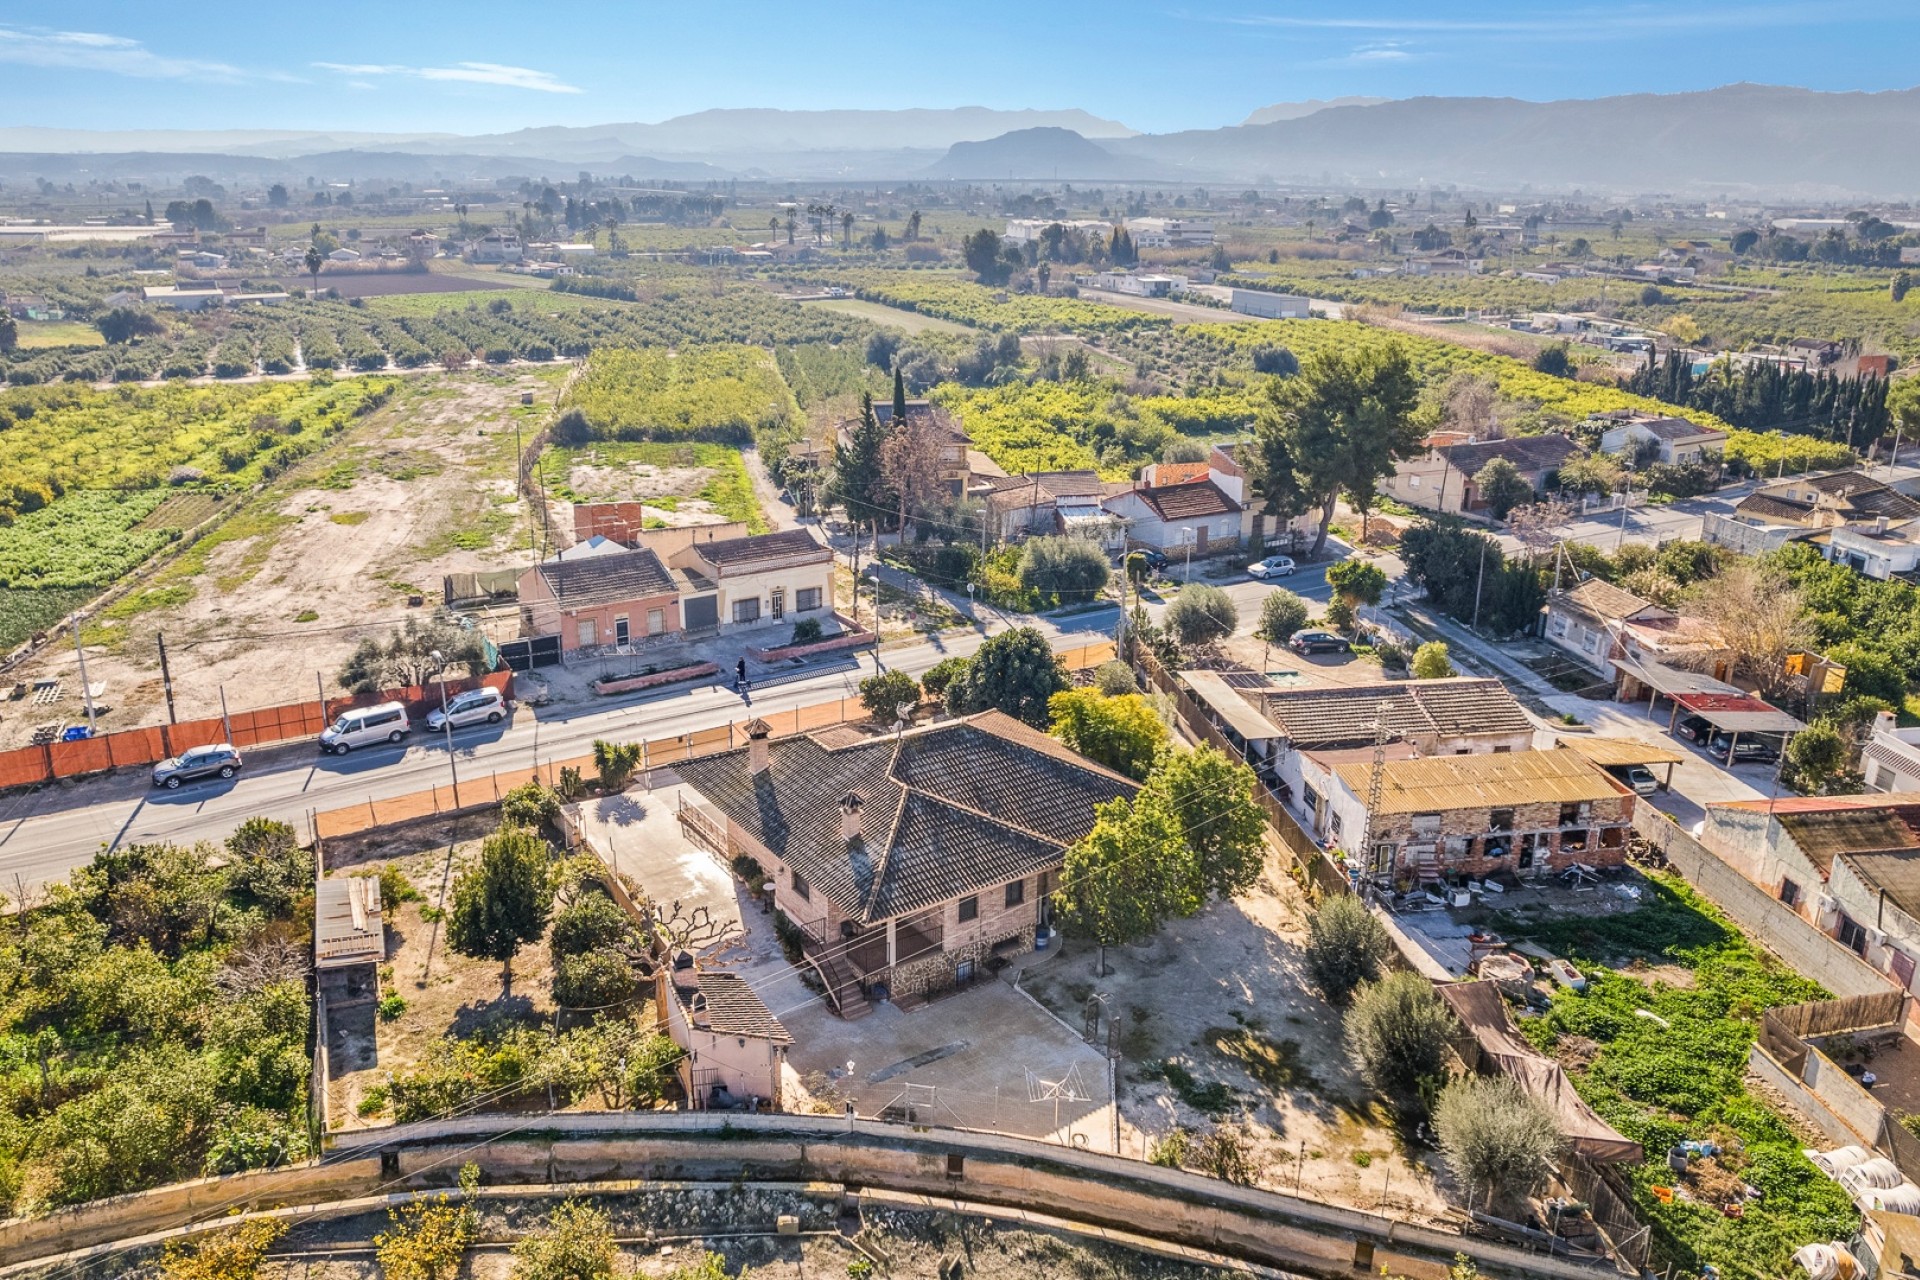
column 1721, row 702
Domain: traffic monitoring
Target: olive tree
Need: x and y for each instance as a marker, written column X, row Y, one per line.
column 1200, row 615
column 1397, row 1035
column 1493, row 1132
column 1346, row 946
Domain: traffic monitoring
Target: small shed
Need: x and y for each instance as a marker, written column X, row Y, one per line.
column 347, row 925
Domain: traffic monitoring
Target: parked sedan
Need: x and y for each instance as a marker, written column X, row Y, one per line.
column 1695, row 729
column 478, row 706
column 1318, row 642
column 1637, row 776
column 221, row 760
column 1747, row 749
column 1273, row 567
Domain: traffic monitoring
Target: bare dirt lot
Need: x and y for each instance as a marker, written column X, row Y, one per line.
column 1217, row 1024
column 328, row 553
column 445, row 994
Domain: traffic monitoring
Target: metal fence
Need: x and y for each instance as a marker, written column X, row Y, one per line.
column 260, row 726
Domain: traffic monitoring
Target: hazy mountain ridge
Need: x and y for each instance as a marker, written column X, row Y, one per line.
column 1298, row 110
column 1038, row 154
column 1738, row 139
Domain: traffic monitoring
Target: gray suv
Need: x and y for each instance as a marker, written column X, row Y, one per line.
column 220, row 760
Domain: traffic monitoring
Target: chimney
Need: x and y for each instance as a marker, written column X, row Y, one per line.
column 850, row 816
column 1880, row 526
column 758, row 731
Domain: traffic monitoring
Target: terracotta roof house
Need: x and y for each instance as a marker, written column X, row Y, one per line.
column 1313, row 726
column 906, row 862
column 1599, row 624
column 1848, row 865
column 599, row 593
column 735, row 1046
column 1172, row 517
column 1441, row 478
column 760, row 580
column 1669, row 440
column 1022, row 505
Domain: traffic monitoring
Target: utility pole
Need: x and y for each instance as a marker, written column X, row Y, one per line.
column 166, row 677
column 85, row 691
column 1376, row 781
column 1480, row 581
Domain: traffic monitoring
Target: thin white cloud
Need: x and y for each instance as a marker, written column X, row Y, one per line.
column 492, row 73
column 115, row 55
column 1620, row 22
column 1390, row 51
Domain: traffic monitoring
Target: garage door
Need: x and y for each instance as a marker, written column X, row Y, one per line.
column 702, row 613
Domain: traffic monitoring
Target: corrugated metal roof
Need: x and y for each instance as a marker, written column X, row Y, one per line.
column 1439, row 783
column 1615, row 752
column 1739, row 713
column 1225, row 701
column 347, row 927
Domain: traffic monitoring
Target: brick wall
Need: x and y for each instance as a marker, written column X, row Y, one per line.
column 1465, row 836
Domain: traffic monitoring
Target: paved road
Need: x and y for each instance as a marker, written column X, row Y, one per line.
column 46, row 834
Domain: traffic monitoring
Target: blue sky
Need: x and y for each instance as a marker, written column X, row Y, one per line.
column 1154, row 65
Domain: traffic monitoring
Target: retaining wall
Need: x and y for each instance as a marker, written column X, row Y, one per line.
column 1265, row 1227
column 1805, row 949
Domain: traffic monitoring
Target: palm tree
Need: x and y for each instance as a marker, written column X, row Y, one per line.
column 773, row 226
column 846, row 229
column 315, row 260
column 792, row 222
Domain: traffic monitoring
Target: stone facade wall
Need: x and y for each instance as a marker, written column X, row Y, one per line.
column 1464, row 838
column 975, row 939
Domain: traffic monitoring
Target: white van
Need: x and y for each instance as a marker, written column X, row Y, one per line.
column 365, row 726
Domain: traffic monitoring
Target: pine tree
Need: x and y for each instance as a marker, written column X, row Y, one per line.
column 859, row 482
column 899, row 398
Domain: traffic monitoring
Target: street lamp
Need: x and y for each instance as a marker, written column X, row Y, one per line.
column 446, row 721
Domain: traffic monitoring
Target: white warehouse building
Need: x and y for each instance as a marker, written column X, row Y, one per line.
column 1170, row 233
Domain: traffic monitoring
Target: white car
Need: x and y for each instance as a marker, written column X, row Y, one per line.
column 480, row 706
column 1273, row 567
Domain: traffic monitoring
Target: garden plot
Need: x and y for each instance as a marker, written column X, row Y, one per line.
column 1218, row 1023
column 331, row 551
column 677, row 483
column 430, row 991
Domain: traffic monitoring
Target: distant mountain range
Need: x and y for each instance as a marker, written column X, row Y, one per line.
column 1740, row 140
column 1297, row 110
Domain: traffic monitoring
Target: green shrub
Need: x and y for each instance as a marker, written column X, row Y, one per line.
column 531, row 804
column 884, row 695
column 806, row 631
column 941, row 675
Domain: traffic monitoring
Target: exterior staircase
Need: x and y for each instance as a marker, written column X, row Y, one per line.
column 843, row 985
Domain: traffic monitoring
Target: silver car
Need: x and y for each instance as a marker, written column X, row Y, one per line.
column 477, row 706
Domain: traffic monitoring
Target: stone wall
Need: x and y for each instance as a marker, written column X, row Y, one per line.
column 1463, row 838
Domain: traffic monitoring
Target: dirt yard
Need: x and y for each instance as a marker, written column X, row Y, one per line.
column 444, row 993
column 330, row 552
column 1216, row 1024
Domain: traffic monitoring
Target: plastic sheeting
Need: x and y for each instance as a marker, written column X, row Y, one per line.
column 1837, row 1161
column 1480, row 1006
column 1827, row 1262
column 1904, row 1198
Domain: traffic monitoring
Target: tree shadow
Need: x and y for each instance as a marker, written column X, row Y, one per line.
column 476, row 1016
